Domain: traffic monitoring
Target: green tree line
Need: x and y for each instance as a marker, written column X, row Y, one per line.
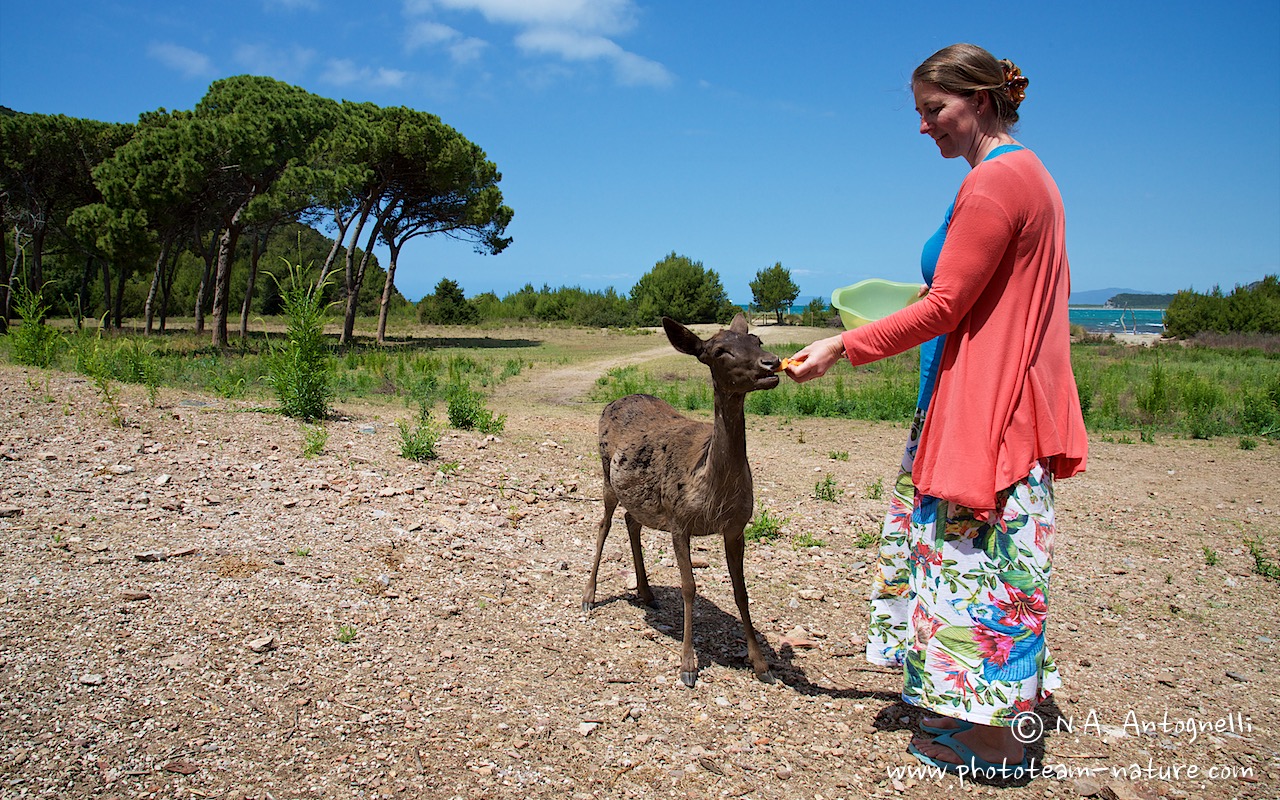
column 676, row 286
column 1247, row 309
column 187, row 203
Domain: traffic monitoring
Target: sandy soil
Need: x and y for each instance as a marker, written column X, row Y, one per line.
column 190, row 608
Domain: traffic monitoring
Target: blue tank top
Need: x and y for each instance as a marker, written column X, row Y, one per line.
column 931, row 351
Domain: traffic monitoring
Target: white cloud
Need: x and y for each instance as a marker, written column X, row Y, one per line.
column 631, row 69
column 345, row 72
column 432, row 35
column 588, row 16
column 288, row 64
column 573, row 30
column 191, row 63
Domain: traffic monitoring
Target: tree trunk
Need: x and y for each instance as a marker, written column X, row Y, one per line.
column 209, row 254
column 259, row 239
column 222, row 279
column 149, row 309
column 342, row 225
column 82, row 302
column 387, row 289
column 356, row 282
column 35, row 280
column 349, row 278
column 106, row 292
column 118, row 303
column 8, row 281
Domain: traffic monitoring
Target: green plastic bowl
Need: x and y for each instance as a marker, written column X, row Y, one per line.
column 872, row 299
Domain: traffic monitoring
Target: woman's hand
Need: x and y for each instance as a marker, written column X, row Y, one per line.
column 814, row 360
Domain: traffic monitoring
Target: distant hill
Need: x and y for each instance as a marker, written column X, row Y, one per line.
column 1096, row 297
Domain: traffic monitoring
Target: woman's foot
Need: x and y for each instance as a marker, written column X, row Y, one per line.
column 995, row 745
column 943, row 724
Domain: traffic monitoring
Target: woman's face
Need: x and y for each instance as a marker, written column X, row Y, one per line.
column 949, row 119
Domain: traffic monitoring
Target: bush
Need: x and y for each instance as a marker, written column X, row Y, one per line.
column 301, row 373
column 35, row 344
column 418, row 443
column 467, row 411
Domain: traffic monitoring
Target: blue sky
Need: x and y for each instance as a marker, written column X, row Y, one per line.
column 739, row 134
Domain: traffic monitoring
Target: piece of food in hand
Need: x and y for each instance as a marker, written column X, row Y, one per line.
column 789, row 362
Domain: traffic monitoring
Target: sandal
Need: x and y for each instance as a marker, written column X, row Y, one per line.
column 971, row 766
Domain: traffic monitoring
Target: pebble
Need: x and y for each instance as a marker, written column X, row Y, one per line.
column 91, row 679
column 262, row 644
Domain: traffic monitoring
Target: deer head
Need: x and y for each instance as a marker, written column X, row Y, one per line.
column 737, row 361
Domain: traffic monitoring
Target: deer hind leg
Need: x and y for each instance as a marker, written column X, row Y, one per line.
column 637, row 555
column 688, row 590
column 733, row 552
column 610, row 503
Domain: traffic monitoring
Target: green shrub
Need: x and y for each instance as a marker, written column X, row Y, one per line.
column 301, row 373
column 826, row 489
column 467, row 411
column 418, row 442
column 764, row 527
column 35, row 344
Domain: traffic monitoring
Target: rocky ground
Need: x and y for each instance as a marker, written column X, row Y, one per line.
column 191, row 608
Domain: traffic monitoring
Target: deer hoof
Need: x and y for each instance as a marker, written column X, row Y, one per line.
column 586, row 606
column 766, row 677
column 689, row 679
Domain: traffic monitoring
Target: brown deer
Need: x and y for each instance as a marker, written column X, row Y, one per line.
column 687, row 477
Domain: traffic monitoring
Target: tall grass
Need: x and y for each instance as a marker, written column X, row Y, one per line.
column 301, row 371
column 35, row 344
column 882, row 391
column 1194, row 391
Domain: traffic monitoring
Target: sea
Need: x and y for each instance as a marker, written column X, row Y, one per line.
column 1100, row 320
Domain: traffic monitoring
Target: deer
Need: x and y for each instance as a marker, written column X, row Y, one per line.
column 685, row 476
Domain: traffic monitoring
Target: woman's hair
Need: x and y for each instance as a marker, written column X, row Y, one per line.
column 966, row 70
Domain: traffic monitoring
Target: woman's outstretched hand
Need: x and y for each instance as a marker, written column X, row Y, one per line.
column 814, row 360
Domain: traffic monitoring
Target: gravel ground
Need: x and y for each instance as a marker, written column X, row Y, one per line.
column 190, row 608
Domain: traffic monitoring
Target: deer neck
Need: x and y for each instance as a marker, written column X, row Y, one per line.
column 727, row 450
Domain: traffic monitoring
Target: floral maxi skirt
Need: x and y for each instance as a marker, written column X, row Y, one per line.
column 961, row 604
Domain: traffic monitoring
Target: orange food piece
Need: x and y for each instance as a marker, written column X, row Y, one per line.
column 789, row 362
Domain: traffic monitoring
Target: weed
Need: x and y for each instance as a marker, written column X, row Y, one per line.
column 1210, row 556
column 1248, row 444
column 838, row 455
column 876, row 491
column 301, row 372
column 826, row 489
column 467, row 411
column 314, row 438
column 35, row 344
column 807, row 539
column 867, row 539
column 1262, row 563
column 764, row 527
column 302, row 552
column 449, row 467
column 346, row 634
column 418, row 443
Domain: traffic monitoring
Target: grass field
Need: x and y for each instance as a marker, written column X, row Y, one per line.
column 1126, row 392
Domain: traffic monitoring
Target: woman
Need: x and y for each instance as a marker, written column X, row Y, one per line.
column 963, row 593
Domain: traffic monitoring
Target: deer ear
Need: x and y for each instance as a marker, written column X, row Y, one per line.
column 739, row 324
column 681, row 338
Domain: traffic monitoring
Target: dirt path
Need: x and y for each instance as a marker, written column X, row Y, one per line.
column 191, row 608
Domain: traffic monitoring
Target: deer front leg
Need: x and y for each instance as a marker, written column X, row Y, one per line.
column 637, row 555
column 688, row 590
column 589, row 594
column 734, row 546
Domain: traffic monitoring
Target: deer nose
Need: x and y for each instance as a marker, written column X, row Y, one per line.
column 772, row 363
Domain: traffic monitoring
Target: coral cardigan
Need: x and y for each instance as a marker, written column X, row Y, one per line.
column 1005, row 397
